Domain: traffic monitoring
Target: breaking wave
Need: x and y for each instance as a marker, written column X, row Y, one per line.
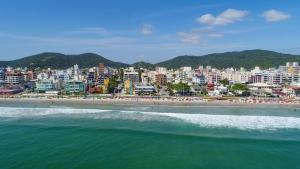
column 243, row 122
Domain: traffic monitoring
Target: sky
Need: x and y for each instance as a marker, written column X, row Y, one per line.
column 151, row 31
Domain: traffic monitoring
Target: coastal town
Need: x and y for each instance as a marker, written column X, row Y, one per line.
column 185, row 83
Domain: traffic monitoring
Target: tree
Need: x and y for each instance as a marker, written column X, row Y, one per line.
column 170, row 88
column 239, row 87
column 113, row 83
column 224, row 82
column 180, row 87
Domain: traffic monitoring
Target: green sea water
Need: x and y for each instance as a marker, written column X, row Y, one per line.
column 42, row 136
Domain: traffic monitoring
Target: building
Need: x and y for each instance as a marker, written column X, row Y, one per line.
column 290, row 67
column 274, row 77
column 196, row 89
column 132, row 76
column 144, row 90
column 214, row 78
column 2, row 75
column 199, row 79
column 44, row 85
column 13, row 77
column 74, row 86
column 76, row 72
column 100, row 79
column 101, row 68
column 91, row 76
column 31, row 75
column 161, row 70
column 161, row 79
column 128, row 86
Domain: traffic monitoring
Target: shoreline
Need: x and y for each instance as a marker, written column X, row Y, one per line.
column 141, row 101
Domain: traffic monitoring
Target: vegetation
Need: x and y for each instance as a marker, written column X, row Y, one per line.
column 142, row 64
column 224, row 82
column 61, row 61
column 239, row 87
column 180, row 88
column 247, row 59
column 113, row 83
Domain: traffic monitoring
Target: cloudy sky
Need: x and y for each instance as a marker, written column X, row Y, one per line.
column 152, row 31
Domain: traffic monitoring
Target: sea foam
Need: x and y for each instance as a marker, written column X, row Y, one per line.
column 28, row 112
column 243, row 122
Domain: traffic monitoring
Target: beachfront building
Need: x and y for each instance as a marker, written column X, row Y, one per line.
column 2, row 75
column 74, row 86
column 132, row 76
column 274, row 76
column 14, row 77
column 196, row 89
column 140, row 89
column 128, row 87
column 44, row 85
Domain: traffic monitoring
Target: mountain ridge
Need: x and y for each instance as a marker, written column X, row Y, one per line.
column 235, row 59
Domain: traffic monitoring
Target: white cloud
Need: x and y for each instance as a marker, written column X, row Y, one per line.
column 199, row 35
column 88, row 30
column 147, row 29
column 70, row 40
column 275, row 15
column 227, row 17
column 192, row 38
column 215, row 35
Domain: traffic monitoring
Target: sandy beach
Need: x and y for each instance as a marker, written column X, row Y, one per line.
column 155, row 101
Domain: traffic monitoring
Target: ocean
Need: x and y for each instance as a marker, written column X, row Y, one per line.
column 42, row 136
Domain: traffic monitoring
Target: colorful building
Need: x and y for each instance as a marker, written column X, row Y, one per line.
column 74, row 86
column 44, row 85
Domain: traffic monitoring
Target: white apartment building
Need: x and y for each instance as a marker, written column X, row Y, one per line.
column 14, row 78
column 161, row 70
column 132, row 76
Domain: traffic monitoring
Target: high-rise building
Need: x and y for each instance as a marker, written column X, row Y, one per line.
column 13, row 77
column 101, row 68
column 76, row 72
column 132, row 76
column 161, row 79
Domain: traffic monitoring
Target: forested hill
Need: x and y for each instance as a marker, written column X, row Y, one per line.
column 247, row 59
column 61, row 61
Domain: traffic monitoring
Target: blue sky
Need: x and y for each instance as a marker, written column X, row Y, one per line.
column 151, row 31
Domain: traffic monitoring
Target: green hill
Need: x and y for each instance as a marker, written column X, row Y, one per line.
column 247, row 59
column 61, row 61
column 142, row 64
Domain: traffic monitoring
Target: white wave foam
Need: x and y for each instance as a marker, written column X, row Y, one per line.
column 244, row 122
column 27, row 112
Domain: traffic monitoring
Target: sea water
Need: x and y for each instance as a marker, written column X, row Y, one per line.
column 151, row 137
